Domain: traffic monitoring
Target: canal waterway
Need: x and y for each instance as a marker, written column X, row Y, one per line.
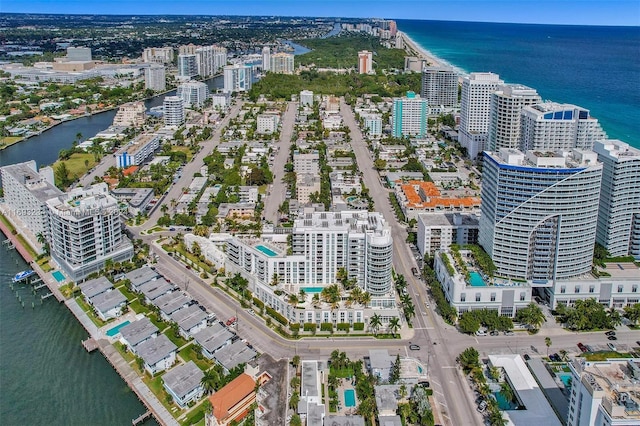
column 46, row 375
column 45, row 147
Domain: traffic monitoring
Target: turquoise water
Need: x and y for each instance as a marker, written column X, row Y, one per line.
column 350, row 398
column 419, row 369
column 561, row 62
column 565, row 377
column 503, row 403
column 115, row 330
column 58, row 276
column 476, row 280
column 266, row 250
column 312, row 290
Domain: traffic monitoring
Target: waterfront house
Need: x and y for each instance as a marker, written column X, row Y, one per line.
column 190, row 320
column 212, row 338
column 109, row 304
column 95, row 287
column 140, row 276
column 137, row 332
column 334, row 420
column 156, row 288
column 234, row 354
column 170, row 303
column 183, row 383
column 158, row 354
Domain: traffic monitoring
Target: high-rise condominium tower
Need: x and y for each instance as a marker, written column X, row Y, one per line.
column 506, row 105
column 440, row 86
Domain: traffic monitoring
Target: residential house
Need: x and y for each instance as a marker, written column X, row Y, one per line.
column 183, row 383
column 158, row 353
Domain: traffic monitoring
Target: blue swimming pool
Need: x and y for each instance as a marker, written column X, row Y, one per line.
column 58, row 276
column 503, row 404
column 349, row 398
column 566, row 379
column 476, row 280
column 266, row 250
column 312, row 290
column 115, row 330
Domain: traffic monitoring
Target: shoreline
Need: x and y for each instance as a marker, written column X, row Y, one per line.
column 421, row 52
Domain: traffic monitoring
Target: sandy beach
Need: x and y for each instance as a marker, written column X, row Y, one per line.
column 414, row 48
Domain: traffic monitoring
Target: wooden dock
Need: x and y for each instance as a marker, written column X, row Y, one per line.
column 141, row 418
column 90, row 344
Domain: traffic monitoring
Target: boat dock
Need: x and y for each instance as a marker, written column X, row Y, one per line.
column 141, row 418
column 90, row 344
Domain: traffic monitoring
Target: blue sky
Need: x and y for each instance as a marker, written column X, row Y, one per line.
column 585, row 12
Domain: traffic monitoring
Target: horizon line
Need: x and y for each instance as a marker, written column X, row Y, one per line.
column 321, row 17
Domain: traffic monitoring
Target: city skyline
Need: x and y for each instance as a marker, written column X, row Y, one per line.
column 568, row 12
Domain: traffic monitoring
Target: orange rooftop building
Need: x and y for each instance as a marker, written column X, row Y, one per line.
column 234, row 400
column 417, row 197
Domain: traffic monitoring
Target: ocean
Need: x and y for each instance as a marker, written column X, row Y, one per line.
column 597, row 68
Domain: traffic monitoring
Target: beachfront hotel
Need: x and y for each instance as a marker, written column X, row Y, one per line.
column 440, row 86
column 409, row 116
column 26, row 191
column 551, row 126
column 85, row 231
column 506, row 105
column 539, row 212
column 619, row 215
column 475, row 110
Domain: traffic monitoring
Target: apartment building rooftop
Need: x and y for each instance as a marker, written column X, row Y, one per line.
column 356, row 221
column 572, row 159
column 140, row 142
column 84, row 201
column 27, row 175
column 426, row 195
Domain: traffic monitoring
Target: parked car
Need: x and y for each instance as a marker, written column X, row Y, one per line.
column 508, row 333
column 638, row 342
column 172, row 229
column 582, row 347
column 610, row 333
column 414, row 347
column 481, row 333
column 231, row 321
column 494, row 333
column 612, row 338
column 424, row 384
column 527, row 357
column 612, row 347
column 187, row 266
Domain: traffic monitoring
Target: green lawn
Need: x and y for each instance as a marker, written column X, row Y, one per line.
column 27, row 246
column 155, row 384
column 175, row 338
column 602, row 356
column 196, row 417
column 76, row 164
column 188, row 354
column 137, row 307
column 127, row 293
column 128, row 356
column 6, row 141
column 341, row 373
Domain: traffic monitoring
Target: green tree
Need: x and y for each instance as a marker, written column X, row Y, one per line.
column 380, row 164
column 615, row 318
column 532, row 316
column 295, row 420
column 468, row 323
column 209, row 381
column 62, row 175
column 375, row 322
column 469, row 359
column 547, row 343
column 394, row 325
column 632, row 313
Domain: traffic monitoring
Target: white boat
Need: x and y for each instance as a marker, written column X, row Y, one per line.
column 22, row 275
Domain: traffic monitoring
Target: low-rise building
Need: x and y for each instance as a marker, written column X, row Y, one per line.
column 109, row 304
column 267, row 123
column 190, row 320
column 230, row 356
column 307, row 184
column 235, row 211
column 437, row 231
column 137, row 199
column 155, row 288
column 213, row 338
column 158, row 354
column 348, row 420
column 387, row 398
column 139, row 276
column 417, row 197
column 132, row 114
column 171, row 302
column 138, row 150
column 183, row 383
column 138, row 332
column 380, row 363
column 95, row 287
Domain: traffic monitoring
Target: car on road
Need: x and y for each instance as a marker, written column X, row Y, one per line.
column 494, row 333
column 508, row 333
column 187, row 266
column 527, row 357
column 231, row 321
column 414, row 347
column 172, row 229
column 481, row 333
column 612, row 347
column 582, row 347
column 638, row 342
column 424, row 384
column 610, row 333
column 612, row 338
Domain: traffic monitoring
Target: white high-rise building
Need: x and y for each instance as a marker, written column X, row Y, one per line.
column 187, row 65
column 440, row 86
column 173, row 107
column 193, row 93
column 26, row 191
column 266, row 59
column 553, row 126
column 321, row 244
column 604, row 393
column 282, row 63
column 306, row 97
column 210, row 60
column 365, row 62
column 409, row 116
column 161, row 55
column 475, row 110
column 237, row 78
column 539, row 212
column 154, row 78
column 506, row 105
column 130, row 114
column 373, row 124
column 85, row 231
column 619, row 216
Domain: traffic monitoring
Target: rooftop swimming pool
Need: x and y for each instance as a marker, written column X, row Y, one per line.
column 115, row 330
column 349, row 398
column 503, row 403
column 566, row 379
column 266, row 250
column 476, row 280
column 312, row 290
column 58, row 276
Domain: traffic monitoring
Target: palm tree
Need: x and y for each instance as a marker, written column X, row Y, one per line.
column 547, row 342
column 507, row 391
column 563, row 354
column 614, row 317
column 394, row 325
column 375, row 322
column 293, row 300
column 365, row 298
column 209, row 381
